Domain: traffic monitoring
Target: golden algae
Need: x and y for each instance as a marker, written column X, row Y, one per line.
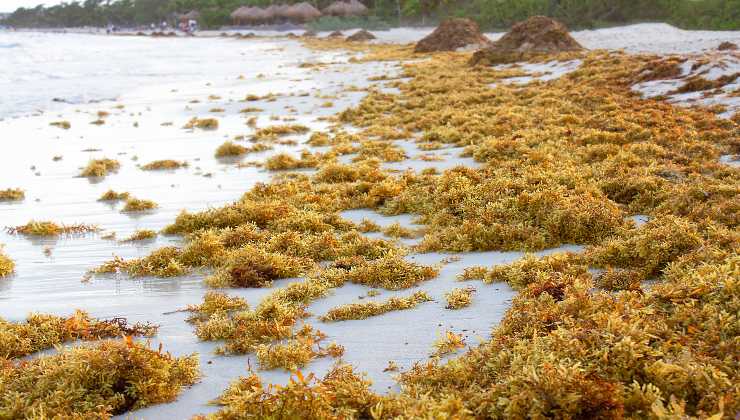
column 42, row 331
column 367, row 309
column 99, row 381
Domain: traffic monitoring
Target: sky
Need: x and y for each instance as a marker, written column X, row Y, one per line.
column 11, row 5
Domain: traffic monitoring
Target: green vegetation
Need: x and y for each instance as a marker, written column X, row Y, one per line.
column 708, row 14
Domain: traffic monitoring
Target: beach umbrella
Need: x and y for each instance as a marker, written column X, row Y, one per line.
column 239, row 14
column 303, row 12
column 282, row 11
column 338, row 8
column 254, row 15
column 271, row 12
column 355, row 8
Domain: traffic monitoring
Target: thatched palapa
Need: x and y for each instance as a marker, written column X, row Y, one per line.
column 344, row 8
column 302, row 12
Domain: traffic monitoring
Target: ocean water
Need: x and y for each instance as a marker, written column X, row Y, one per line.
column 40, row 71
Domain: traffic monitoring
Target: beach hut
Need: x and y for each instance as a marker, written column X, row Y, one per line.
column 346, row 8
column 303, row 12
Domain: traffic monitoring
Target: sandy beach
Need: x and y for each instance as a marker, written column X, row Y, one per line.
column 129, row 98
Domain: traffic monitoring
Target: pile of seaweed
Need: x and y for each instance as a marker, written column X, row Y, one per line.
column 361, row 35
column 536, row 36
column 451, row 35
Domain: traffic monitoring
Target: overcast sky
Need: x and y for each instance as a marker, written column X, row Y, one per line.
column 11, row 5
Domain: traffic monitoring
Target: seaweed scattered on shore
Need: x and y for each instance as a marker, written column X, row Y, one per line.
column 100, row 168
column 42, row 331
column 141, row 235
column 7, row 265
column 341, row 394
column 100, row 381
column 111, row 195
column 46, row 228
column 167, row 164
column 202, row 123
column 12, row 194
column 459, row 298
column 364, row 310
column 134, row 205
column 61, row 124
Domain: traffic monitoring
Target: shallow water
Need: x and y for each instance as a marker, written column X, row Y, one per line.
column 50, row 271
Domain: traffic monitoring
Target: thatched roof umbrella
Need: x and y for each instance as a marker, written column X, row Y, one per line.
column 271, row 12
column 238, row 15
column 282, row 11
column 356, row 8
column 249, row 14
column 303, row 12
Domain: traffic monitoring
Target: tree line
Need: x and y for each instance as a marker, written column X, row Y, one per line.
column 490, row 14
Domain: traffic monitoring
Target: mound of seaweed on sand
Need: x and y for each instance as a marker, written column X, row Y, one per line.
column 538, row 35
column 361, row 35
column 727, row 46
column 452, row 34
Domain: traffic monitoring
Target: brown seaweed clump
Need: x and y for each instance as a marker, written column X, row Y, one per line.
column 134, row 205
column 7, row 266
column 451, row 35
column 296, row 352
column 41, row 332
column 201, row 123
column 141, row 235
column 341, row 394
column 45, row 228
column 367, row 309
column 111, row 195
column 459, row 298
column 61, row 124
column 167, row 164
column 727, row 46
column 335, row 34
column 98, row 381
column 361, row 35
column 100, row 167
column 12, row 194
column 536, row 36
column 230, row 149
